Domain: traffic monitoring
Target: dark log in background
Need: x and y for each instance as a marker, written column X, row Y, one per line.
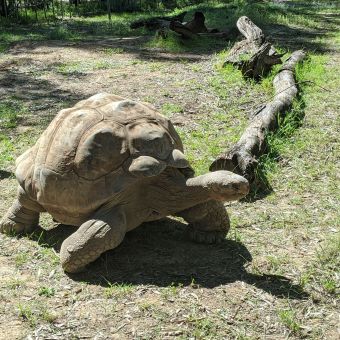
column 157, row 22
column 242, row 157
column 192, row 29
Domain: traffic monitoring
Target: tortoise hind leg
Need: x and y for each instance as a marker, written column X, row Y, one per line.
column 103, row 232
column 208, row 222
column 22, row 217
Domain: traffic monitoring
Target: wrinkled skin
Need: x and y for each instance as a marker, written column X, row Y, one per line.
column 107, row 165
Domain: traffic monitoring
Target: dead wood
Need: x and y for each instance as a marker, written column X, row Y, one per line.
column 182, row 30
column 157, row 22
column 197, row 24
column 250, row 31
column 253, row 55
column 194, row 28
column 214, row 34
column 242, row 157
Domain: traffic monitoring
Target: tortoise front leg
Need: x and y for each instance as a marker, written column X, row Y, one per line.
column 208, row 222
column 22, row 216
column 105, row 231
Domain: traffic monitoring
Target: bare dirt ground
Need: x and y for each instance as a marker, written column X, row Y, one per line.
column 265, row 281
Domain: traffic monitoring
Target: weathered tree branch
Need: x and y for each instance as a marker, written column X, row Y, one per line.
column 242, row 157
column 251, row 32
column 182, row 30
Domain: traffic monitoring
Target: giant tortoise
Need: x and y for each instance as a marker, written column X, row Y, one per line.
column 107, row 165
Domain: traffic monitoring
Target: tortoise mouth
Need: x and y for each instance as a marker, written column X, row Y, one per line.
column 177, row 159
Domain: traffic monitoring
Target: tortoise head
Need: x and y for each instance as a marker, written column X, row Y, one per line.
column 152, row 149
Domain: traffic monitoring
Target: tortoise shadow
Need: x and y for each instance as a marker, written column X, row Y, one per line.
column 157, row 254
column 6, row 174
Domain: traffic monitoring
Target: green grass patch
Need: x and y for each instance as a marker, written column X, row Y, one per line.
column 168, row 109
column 9, row 113
column 202, row 328
column 118, row 289
column 6, row 150
column 82, row 67
column 35, row 313
column 175, row 44
column 21, row 259
column 62, row 33
column 113, row 51
column 46, row 291
column 329, row 253
column 289, row 319
column 15, row 283
column 171, row 292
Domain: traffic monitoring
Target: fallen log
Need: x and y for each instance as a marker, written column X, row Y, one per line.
column 242, row 157
column 157, row 22
column 185, row 32
column 181, row 29
column 254, row 56
column 192, row 29
column 214, row 34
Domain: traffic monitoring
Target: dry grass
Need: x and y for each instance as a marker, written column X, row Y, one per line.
column 275, row 277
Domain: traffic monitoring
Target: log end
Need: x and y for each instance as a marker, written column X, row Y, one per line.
column 222, row 163
column 241, row 163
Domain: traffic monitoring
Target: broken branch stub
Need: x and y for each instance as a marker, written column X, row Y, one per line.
column 251, row 32
column 192, row 28
column 253, row 55
column 242, row 157
column 182, row 30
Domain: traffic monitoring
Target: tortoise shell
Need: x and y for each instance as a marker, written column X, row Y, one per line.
column 87, row 146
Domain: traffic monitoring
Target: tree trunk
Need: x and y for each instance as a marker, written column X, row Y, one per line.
column 108, row 2
column 242, row 157
column 3, row 8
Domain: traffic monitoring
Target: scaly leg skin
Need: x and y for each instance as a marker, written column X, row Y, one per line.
column 104, row 232
column 208, row 222
column 22, row 217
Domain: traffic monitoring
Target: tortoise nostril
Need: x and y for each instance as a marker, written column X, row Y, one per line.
column 155, row 213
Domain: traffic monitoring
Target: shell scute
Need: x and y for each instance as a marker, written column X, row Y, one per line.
column 101, row 151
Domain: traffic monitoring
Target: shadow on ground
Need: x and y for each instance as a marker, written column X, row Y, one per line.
column 6, row 174
column 42, row 98
column 294, row 38
column 160, row 254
